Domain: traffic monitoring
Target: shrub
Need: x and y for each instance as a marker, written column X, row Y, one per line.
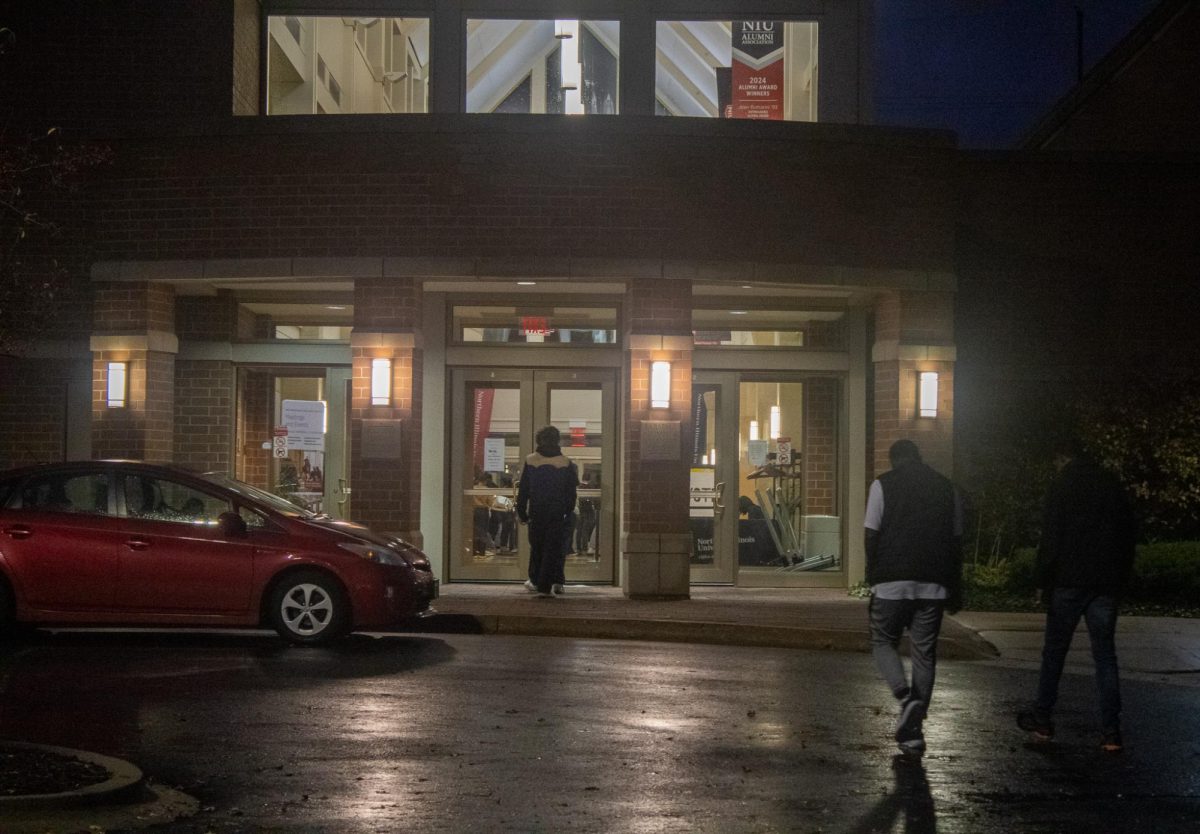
column 1167, row 572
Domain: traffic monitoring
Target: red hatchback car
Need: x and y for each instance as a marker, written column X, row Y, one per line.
column 126, row 543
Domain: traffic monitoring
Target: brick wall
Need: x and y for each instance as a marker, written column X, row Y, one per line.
column 133, row 307
column 144, row 428
column 246, row 53
column 217, row 318
column 33, row 407
column 254, row 420
column 657, row 493
column 204, row 415
column 822, row 397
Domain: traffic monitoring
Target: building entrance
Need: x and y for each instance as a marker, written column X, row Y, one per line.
column 765, row 486
column 292, row 435
column 495, row 414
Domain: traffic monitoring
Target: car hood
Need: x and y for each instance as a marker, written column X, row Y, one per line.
column 355, row 531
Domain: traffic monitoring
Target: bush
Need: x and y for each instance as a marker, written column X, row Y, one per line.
column 1164, row 573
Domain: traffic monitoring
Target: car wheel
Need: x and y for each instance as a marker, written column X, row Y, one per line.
column 309, row 607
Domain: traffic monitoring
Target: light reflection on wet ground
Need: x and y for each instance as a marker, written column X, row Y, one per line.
column 490, row 733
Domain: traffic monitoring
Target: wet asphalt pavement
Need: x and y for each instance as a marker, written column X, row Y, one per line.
column 465, row 733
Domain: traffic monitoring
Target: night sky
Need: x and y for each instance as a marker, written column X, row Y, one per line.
column 987, row 69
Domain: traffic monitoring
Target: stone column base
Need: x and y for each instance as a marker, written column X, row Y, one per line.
column 656, row 565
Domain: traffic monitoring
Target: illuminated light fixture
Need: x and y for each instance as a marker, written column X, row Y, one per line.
column 737, row 312
column 381, row 381
column 927, row 394
column 754, row 430
column 775, row 421
column 335, row 306
column 527, row 283
column 712, row 456
column 660, row 384
column 118, row 384
column 564, row 29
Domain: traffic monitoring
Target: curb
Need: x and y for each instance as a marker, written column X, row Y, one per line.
column 125, row 780
column 966, row 647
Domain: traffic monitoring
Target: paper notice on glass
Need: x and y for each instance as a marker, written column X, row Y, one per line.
column 756, row 451
column 493, row 454
column 305, row 422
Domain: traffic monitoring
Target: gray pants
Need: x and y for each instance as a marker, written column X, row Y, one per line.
column 923, row 619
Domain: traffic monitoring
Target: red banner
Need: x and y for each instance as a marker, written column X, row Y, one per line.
column 757, row 70
column 481, row 425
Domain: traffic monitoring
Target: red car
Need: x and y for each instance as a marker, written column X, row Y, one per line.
column 126, row 543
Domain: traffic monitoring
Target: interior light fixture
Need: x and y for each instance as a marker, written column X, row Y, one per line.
column 117, row 384
column 737, row 312
column 776, row 419
column 712, row 456
column 754, row 430
column 927, row 394
column 660, row 384
column 527, row 283
column 381, row 382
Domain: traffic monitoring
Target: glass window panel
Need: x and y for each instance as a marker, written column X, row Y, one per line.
column 578, row 414
column 817, row 329
column 579, row 326
column 788, row 479
column 156, row 499
column 737, row 69
column 492, row 472
column 566, row 66
column 347, row 65
column 82, row 493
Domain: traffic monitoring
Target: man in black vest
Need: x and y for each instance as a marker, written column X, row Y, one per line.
column 913, row 532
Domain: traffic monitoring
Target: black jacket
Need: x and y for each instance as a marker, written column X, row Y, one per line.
column 1088, row 531
column 548, row 486
column 916, row 539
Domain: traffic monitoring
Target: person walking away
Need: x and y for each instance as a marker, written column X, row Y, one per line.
column 913, row 537
column 545, row 498
column 1083, row 564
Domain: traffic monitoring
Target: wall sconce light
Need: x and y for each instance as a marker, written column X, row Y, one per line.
column 927, row 394
column 118, row 384
column 776, row 419
column 754, row 430
column 660, row 384
column 381, row 382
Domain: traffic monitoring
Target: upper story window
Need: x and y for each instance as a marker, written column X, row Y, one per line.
column 535, row 325
column 347, row 65
column 737, row 69
column 542, row 66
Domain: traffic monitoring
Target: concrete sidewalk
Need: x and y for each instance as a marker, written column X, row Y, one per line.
column 826, row 619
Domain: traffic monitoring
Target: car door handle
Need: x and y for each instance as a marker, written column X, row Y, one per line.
column 137, row 544
column 18, row 532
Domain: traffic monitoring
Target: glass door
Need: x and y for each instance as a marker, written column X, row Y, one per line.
column 765, row 478
column 711, row 516
column 496, row 413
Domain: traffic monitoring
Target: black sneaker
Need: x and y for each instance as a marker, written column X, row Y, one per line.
column 914, row 746
column 1043, row 730
column 912, row 713
column 1111, row 743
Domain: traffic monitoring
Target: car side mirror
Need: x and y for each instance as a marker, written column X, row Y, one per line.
column 231, row 525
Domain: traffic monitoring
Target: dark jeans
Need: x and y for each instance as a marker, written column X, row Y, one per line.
column 1099, row 611
column 923, row 619
column 546, row 552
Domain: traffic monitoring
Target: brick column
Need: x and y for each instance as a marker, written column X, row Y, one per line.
column 385, row 440
column 914, row 332
column 204, row 388
column 134, row 323
column 656, row 542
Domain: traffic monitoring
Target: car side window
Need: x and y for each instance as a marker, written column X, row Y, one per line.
column 254, row 520
column 84, row 493
column 158, row 499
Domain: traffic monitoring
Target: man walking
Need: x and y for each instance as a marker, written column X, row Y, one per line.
column 1084, row 560
column 545, row 500
column 913, row 532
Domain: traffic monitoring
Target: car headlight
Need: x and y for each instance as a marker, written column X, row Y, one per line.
column 374, row 553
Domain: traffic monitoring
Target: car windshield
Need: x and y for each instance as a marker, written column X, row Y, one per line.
column 275, row 502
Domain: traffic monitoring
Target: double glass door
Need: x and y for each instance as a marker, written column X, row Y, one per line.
column 496, row 413
column 765, row 479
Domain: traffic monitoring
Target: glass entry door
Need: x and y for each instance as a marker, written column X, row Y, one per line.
column 496, row 413
column 765, row 480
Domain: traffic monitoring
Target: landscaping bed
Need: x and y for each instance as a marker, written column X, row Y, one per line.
column 28, row 771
